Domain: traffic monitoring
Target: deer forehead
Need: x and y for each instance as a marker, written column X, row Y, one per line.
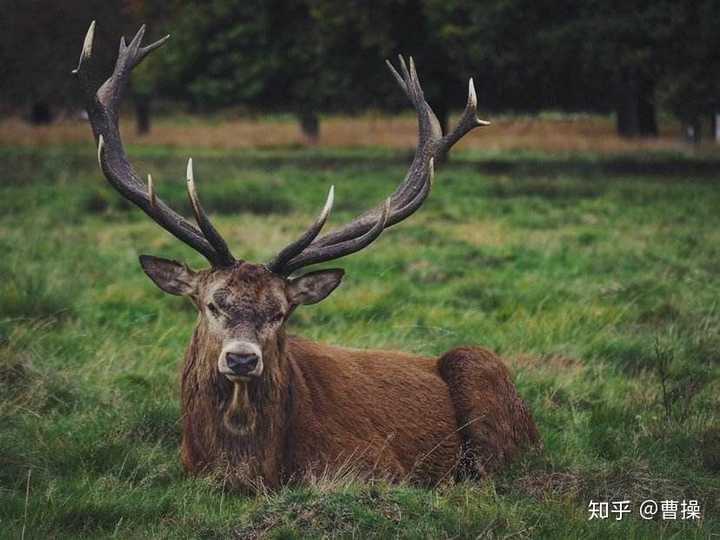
column 246, row 290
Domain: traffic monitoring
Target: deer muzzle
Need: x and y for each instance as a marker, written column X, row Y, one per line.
column 240, row 360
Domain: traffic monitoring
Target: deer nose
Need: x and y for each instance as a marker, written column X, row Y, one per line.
column 241, row 363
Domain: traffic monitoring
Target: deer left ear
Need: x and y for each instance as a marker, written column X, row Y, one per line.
column 313, row 287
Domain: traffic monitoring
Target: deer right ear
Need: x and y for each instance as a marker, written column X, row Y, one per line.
column 314, row 286
column 171, row 276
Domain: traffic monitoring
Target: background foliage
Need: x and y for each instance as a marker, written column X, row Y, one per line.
column 310, row 56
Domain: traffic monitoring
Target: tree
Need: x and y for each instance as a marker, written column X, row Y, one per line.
column 310, row 56
column 691, row 85
column 264, row 55
column 148, row 76
column 626, row 37
column 38, row 45
column 359, row 35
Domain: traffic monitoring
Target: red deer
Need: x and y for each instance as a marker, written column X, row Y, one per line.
column 270, row 408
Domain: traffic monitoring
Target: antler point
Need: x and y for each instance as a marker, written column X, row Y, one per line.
column 101, row 144
column 472, row 95
column 329, row 202
column 87, row 43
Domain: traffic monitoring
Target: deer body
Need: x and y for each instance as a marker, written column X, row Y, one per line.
column 262, row 408
column 329, row 412
column 310, row 409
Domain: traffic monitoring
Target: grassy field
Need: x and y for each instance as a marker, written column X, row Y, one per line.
column 548, row 132
column 597, row 278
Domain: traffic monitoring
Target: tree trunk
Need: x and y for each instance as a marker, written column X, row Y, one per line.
column 40, row 113
column 310, row 126
column 647, row 117
column 635, row 105
column 142, row 114
column 626, row 104
column 714, row 126
column 697, row 128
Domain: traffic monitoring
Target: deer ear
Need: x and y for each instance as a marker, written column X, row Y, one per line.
column 313, row 287
column 171, row 276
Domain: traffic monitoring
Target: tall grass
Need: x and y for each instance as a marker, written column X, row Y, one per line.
column 601, row 291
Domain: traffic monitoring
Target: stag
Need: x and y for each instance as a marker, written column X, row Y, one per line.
column 265, row 407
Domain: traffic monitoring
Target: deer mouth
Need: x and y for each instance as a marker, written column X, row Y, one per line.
column 237, row 378
column 240, row 376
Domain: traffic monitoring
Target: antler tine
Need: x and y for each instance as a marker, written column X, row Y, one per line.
column 86, row 51
column 468, row 121
column 417, row 176
column 278, row 263
column 400, row 80
column 129, row 56
column 87, row 76
column 308, row 257
column 102, row 103
column 210, row 232
column 409, row 195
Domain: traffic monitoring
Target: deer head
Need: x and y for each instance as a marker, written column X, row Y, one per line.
column 243, row 306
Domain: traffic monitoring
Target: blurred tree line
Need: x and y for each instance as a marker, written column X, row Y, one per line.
column 630, row 57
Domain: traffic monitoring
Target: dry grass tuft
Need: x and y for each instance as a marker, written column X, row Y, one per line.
column 477, row 233
column 551, row 484
column 555, row 135
column 634, row 483
column 554, row 363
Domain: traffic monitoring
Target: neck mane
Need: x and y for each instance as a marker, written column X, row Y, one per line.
column 234, row 429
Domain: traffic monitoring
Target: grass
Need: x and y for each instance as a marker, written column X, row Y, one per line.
column 599, row 284
column 557, row 133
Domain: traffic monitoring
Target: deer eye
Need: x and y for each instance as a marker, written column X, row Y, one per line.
column 213, row 309
column 278, row 317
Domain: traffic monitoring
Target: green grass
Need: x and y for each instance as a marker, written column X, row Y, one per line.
column 602, row 289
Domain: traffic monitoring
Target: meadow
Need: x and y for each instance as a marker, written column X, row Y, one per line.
column 596, row 275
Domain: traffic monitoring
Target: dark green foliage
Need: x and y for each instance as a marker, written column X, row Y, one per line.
column 312, row 56
column 40, row 44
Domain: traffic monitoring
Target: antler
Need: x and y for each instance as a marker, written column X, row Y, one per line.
column 103, row 105
column 406, row 199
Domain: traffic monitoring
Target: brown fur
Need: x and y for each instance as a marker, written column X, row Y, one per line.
column 317, row 408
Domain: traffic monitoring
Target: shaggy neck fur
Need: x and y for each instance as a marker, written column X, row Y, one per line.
column 235, row 429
